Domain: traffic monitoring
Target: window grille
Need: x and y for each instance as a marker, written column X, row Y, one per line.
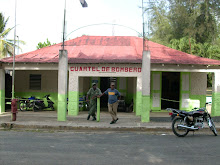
column 35, row 81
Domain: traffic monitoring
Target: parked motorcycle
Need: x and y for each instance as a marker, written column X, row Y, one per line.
column 26, row 103
column 183, row 122
column 83, row 105
column 39, row 104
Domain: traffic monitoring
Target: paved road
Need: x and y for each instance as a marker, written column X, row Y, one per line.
column 65, row 148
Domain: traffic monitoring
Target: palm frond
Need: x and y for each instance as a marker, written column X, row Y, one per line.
column 5, row 33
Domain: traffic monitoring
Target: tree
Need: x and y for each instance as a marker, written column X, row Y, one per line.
column 187, row 25
column 160, row 28
column 206, row 24
column 6, row 45
column 44, row 44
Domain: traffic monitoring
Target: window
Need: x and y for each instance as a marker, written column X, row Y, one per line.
column 35, row 81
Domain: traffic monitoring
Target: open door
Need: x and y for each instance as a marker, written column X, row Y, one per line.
column 170, row 90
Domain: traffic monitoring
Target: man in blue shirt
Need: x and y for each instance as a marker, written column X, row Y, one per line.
column 113, row 97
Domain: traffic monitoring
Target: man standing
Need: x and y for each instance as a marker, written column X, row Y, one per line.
column 93, row 93
column 113, row 96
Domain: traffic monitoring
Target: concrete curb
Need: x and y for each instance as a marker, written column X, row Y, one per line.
column 13, row 126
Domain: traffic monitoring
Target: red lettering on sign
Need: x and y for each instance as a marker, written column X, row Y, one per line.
column 105, row 69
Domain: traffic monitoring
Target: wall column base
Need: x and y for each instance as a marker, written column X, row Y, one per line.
column 61, row 108
column 145, row 114
column 73, row 103
column 215, row 104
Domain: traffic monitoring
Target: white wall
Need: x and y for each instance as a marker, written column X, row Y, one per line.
column 49, row 81
column 198, row 83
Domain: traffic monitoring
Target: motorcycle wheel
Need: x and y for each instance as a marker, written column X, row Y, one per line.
column 177, row 131
column 52, row 108
column 22, row 106
column 212, row 126
column 35, row 109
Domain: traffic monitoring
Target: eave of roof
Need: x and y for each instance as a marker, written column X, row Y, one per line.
column 110, row 49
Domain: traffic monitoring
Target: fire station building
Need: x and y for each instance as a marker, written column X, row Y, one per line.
column 177, row 79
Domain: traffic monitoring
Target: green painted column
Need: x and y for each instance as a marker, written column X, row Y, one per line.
column 216, row 94
column 73, row 103
column 2, row 91
column 145, row 113
column 138, row 103
column 62, row 85
column 73, row 98
column 145, row 116
column 134, row 102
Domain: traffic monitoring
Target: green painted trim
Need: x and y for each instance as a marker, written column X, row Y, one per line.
column 2, row 101
column 201, row 98
column 134, row 102
column 215, row 104
column 62, row 107
column 181, row 91
column 40, row 95
column 138, row 103
column 145, row 114
column 98, row 110
column 73, row 103
column 155, row 91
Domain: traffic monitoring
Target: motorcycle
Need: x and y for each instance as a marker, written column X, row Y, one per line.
column 183, row 122
column 83, row 105
column 39, row 104
column 26, row 103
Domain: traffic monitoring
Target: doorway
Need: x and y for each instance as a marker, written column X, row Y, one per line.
column 8, row 89
column 170, row 90
column 104, row 85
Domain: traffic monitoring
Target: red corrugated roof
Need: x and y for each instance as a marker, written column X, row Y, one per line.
column 110, row 49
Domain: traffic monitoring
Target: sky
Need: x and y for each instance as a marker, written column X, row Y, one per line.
column 38, row 20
